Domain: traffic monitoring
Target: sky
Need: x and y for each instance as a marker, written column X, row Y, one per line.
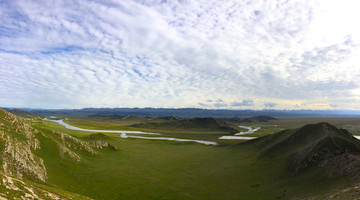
column 231, row 54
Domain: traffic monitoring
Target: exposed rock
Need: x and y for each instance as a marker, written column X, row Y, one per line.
column 101, row 144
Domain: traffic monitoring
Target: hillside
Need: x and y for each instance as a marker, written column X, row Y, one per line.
column 15, row 188
column 312, row 146
column 24, row 158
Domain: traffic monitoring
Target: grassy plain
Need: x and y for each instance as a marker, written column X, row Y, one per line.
column 144, row 169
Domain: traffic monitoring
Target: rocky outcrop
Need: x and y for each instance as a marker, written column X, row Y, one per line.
column 99, row 141
column 101, row 144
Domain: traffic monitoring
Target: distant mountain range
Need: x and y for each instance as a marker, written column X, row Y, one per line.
column 260, row 118
column 23, row 113
column 192, row 112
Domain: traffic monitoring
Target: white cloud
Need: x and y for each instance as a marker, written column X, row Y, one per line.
column 246, row 102
column 270, row 105
column 179, row 53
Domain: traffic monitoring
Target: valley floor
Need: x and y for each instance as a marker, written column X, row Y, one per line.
column 147, row 169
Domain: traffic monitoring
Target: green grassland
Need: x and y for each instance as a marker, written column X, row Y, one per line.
column 104, row 124
column 144, row 169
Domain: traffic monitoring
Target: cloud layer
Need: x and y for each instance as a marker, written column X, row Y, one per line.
column 209, row 54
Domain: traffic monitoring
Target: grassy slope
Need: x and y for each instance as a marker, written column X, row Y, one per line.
column 23, row 113
column 25, row 189
column 143, row 169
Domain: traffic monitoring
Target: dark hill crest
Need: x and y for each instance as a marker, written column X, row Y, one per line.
column 197, row 123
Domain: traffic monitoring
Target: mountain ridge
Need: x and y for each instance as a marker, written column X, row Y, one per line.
column 193, row 112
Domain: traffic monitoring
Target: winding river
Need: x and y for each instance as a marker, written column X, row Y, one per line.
column 249, row 130
column 124, row 134
column 68, row 126
column 237, row 137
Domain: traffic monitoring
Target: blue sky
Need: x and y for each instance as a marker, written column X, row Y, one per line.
column 229, row 54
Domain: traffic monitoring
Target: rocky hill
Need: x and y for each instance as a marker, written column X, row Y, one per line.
column 315, row 145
